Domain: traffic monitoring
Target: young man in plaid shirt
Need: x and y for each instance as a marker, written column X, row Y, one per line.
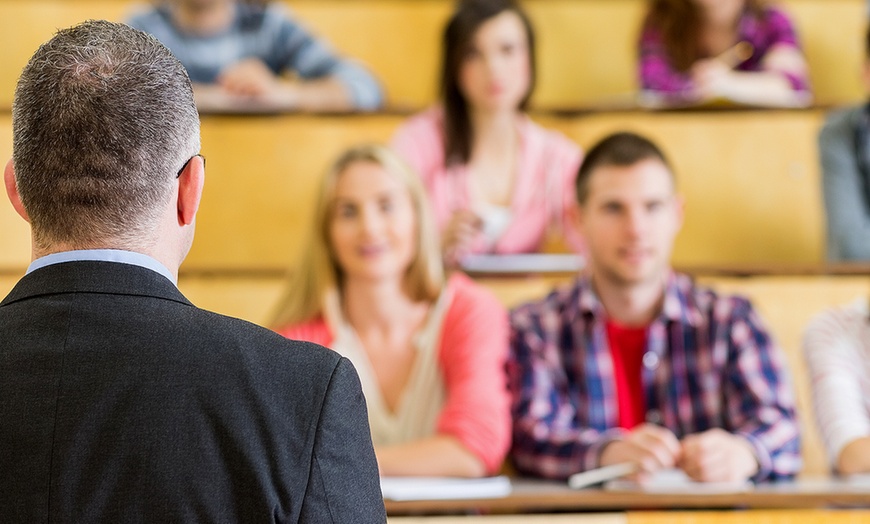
column 633, row 362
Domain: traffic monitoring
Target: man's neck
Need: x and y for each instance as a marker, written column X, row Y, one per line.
column 632, row 305
column 164, row 257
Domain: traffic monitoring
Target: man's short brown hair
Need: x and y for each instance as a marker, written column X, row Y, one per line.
column 619, row 149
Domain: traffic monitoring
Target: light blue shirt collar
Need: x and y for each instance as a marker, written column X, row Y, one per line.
column 103, row 255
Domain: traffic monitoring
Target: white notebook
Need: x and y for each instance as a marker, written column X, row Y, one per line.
column 441, row 488
column 523, row 263
column 675, row 481
column 859, row 481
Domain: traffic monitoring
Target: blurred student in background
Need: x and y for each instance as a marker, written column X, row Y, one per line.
column 837, row 352
column 742, row 50
column 633, row 363
column 844, row 149
column 429, row 350
column 496, row 180
column 242, row 51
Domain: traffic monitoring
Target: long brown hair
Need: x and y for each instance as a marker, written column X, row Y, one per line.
column 679, row 22
column 458, row 36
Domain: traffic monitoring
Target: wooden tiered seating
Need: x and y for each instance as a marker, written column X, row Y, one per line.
column 586, row 53
column 750, row 181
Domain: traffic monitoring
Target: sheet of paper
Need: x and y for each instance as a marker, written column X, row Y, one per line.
column 675, row 481
column 440, row 488
column 523, row 263
column 859, row 481
column 665, row 101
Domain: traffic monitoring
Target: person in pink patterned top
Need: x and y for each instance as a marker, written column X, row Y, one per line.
column 430, row 351
column 742, row 50
column 498, row 182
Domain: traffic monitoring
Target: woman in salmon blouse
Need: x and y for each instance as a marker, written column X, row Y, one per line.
column 498, row 182
column 429, row 350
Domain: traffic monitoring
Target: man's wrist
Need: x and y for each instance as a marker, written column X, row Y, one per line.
column 753, row 464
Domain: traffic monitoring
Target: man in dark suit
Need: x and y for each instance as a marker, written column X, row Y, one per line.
column 119, row 400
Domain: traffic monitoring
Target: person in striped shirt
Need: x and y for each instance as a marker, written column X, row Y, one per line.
column 633, row 363
column 240, row 53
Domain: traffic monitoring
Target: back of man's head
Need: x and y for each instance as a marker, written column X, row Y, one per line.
column 620, row 149
column 103, row 120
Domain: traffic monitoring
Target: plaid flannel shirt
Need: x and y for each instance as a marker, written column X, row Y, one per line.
column 709, row 364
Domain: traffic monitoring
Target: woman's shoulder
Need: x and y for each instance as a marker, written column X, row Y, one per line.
column 420, row 141
column 551, row 142
column 846, row 324
column 777, row 13
column 427, row 124
column 841, row 319
column 776, row 21
column 470, row 297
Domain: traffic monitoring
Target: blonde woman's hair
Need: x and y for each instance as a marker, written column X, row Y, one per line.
column 318, row 271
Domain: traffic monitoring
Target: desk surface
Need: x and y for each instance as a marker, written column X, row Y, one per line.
column 789, row 516
column 536, row 496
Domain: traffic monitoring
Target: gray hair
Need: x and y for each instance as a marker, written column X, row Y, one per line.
column 103, row 120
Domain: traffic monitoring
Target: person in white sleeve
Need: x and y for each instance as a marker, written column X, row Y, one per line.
column 837, row 352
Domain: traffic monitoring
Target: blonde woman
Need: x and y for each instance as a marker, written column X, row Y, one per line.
column 429, row 350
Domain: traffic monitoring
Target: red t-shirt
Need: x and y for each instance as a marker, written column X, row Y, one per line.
column 627, row 346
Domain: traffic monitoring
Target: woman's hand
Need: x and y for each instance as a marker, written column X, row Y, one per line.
column 459, row 236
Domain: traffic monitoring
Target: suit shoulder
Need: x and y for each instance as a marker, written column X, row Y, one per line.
column 233, row 333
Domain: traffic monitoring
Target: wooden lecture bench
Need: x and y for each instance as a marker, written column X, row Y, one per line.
column 750, row 181
column 586, row 50
column 788, row 516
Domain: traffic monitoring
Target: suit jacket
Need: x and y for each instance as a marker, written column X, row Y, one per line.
column 122, row 402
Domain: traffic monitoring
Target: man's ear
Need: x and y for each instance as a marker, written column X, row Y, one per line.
column 190, row 184
column 12, row 190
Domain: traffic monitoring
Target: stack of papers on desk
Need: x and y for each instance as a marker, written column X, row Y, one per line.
column 444, row 488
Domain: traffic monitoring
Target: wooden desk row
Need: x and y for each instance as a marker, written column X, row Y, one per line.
column 750, row 180
column 529, row 496
column 586, row 52
column 658, row 517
